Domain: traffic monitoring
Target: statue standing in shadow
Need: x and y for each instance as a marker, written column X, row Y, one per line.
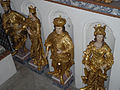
column 12, row 22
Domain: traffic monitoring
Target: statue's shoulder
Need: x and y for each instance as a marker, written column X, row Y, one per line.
column 91, row 43
column 66, row 34
column 37, row 20
column 16, row 13
column 106, row 46
column 13, row 12
column 52, row 34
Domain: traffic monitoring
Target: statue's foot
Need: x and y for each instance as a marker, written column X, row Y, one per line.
column 51, row 73
column 39, row 68
column 54, row 73
column 61, row 80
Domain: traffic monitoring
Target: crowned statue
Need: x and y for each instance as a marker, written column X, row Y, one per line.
column 33, row 26
column 62, row 49
column 97, row 59
column 11, row 22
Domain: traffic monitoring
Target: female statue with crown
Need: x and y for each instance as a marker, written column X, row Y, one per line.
column 32, row 24
column 97, row 59
column 62, row 49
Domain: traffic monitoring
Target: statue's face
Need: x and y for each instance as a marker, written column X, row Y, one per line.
column 59, row 30
column 31, row 15
column 99, row 38
column 6, row 9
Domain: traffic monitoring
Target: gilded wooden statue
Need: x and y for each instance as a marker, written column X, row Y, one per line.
column 97, row 59
column 62, row 49
column 12, row 21
column 32, row 24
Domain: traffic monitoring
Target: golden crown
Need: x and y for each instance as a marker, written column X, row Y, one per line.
column 99, row 30
column 5, row 3
column 32, row 9
column 59, row 21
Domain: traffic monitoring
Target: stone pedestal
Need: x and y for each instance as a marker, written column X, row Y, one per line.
column 34, row 67
column 67, row 81
column 22, row 56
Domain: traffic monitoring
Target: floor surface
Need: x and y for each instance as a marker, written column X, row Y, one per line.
column 26, row 79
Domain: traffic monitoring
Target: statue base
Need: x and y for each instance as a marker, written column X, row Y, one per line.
column 67, row 81
column 34, row 67
column 22, row 56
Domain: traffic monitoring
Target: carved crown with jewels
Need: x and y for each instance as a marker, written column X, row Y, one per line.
column 32, row 9
column 99, row 30
column 59, row 21
column 5, row 3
